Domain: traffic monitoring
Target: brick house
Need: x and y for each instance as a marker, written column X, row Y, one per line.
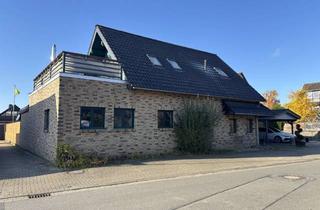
column 121, row 98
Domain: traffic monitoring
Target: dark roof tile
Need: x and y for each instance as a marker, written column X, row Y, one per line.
column 131, row 51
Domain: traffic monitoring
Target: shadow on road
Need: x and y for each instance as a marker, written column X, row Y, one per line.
column 267, row 151
column 18, row 163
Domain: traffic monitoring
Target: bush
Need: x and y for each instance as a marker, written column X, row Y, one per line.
column 67, row 157
column 194, row 126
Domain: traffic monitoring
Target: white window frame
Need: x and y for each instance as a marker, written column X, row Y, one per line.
column 174, row 64
column 220, row 72
column 154, row 60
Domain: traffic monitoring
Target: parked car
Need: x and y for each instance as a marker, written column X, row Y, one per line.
column 276, row 135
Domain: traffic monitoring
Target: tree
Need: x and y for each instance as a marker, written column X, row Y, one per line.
column 300, row 104
column 272, row 101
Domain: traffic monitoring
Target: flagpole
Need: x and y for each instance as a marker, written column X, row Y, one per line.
column 14, row 101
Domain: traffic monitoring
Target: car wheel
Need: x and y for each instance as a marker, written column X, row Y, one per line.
column 278, row 139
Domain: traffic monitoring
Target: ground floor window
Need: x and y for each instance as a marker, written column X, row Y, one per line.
column 92, row 117
column 165, row 119
column 46, row 120
column 233, row 126
column 123, row 118
column 250, row 125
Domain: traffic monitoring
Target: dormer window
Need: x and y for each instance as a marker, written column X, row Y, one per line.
column 220, row 71
column 174, row 64
column 154, row 60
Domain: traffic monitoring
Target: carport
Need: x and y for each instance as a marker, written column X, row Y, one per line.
column 279, row 115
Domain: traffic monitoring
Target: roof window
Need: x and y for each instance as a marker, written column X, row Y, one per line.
column 154, row 60
column 219, row 71
column 174, row 64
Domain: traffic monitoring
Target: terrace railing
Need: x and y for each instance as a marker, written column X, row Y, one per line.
column 80, row 64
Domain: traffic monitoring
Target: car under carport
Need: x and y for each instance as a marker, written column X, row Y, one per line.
column 279, row 115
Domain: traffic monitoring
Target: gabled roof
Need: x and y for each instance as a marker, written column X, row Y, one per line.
column 131, row 51
column 282, row 115
column 312, row 86
column 6, row 118
column 16, row 108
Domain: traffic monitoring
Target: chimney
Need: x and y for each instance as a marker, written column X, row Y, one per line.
column 53, row 52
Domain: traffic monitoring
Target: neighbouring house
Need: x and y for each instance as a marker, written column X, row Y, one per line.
column 121, row 98
column 313, row 93
column 7, row 116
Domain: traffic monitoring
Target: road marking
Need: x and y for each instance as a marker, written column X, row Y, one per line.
column 217, row 193
column 285, row 195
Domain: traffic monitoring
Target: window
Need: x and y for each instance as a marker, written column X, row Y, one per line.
column 250, row 126
column 92, row 117
column 154, row 60
column 46, row 120
column 165, row 119
column 314, row 96
column 219, row 71
column 233, row 126
column 123, row 118
column 174, row 64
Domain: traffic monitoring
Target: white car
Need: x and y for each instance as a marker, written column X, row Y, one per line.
column 276, row 135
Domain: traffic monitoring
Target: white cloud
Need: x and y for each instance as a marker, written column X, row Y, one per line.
column 276, row 52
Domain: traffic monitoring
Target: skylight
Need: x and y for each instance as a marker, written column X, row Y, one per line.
column 174, row 64
column 154, row 60
column 219, row 71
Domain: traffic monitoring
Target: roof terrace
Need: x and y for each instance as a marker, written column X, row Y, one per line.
column 75, row 63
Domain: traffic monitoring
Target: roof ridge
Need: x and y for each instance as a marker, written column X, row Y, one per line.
column 157, row 40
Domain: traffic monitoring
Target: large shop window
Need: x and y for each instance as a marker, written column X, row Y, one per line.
column 165, row 119
column 92, row 117
column 123, row 118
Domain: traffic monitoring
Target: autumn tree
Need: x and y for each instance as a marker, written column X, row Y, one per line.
column 272, row 101
column 300, row 104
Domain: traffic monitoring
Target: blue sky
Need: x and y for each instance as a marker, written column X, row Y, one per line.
column 275, row 43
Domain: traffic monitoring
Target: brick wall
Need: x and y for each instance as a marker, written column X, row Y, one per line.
column 64, row 96
column 33, row 137
column 146, row 137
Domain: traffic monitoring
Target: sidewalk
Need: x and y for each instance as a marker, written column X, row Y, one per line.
column 53, row 180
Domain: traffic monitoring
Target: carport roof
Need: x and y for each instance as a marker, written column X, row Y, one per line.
column 282, row 115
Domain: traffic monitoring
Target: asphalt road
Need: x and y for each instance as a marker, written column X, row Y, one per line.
column 292, row 186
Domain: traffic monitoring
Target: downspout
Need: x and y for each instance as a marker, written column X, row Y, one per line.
column 257, row 131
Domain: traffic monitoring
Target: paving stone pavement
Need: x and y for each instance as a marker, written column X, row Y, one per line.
column 22, row 173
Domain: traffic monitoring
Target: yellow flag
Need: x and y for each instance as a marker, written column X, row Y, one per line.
column 16, row 91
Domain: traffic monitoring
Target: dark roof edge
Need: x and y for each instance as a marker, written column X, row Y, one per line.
column 24, row 110
column 153, row 39
column 292, row 112
column 10, row 108
column 184, row 93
